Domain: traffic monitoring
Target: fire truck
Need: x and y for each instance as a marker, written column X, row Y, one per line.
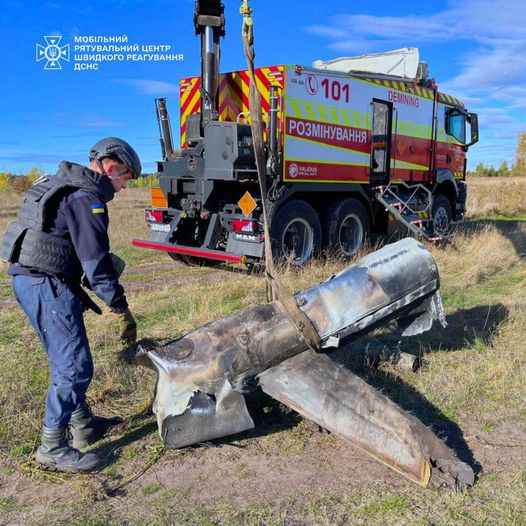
column 354, row 147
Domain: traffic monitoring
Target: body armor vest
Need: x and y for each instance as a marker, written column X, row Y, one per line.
column 27, row 240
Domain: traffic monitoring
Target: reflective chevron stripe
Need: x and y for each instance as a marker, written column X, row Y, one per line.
column 233, row 94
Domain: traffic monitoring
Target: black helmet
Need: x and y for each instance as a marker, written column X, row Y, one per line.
column 115, row 147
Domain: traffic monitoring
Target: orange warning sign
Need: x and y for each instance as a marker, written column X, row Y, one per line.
column 247, row 203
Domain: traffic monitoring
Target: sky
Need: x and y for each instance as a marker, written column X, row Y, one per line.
column 476, row 51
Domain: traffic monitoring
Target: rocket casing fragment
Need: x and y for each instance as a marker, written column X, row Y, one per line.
column 202, row 376
column 390, row 282
column 366, row 418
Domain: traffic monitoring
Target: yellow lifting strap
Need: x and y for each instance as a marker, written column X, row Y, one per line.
column 275, row 288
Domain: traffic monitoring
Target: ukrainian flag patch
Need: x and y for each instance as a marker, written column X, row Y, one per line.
column 97, row 209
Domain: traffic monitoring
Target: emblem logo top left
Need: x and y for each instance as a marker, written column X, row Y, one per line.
column 52, row 52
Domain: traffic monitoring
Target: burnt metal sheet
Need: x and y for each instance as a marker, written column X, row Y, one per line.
column 207, row 417
column 338, row 400
column 203, row 375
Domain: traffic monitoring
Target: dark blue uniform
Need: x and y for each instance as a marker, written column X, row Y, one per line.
column 54, row 311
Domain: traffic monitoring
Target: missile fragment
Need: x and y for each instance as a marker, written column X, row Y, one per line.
column 204, row 375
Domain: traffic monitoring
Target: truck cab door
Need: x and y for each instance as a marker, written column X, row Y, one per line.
column 381, row 135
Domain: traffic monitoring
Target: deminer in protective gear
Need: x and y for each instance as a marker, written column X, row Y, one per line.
column 60, row 237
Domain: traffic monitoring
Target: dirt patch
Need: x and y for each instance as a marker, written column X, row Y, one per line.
column 171, row 274
column 250, row 471
column 251, row 474
column 500, row 450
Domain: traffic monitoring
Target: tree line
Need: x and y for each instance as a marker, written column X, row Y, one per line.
column 483, row 170
column 20, row 183
column 515, row 170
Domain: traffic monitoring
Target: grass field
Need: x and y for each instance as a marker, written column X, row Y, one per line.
column 502, row 197
column 471, row 390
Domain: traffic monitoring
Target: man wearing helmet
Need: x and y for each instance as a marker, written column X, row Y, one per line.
column 60, row 237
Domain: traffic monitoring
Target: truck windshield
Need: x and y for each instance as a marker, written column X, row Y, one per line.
column 456, row 124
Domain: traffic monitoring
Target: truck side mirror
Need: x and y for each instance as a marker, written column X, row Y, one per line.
column 473, row 120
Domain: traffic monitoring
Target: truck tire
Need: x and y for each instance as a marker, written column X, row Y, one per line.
column 193, row 261
column 182, row 258
column 295, row 233
column 346, row 227
column 442, row 215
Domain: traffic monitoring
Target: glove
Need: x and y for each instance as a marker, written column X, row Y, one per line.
column 127, row 327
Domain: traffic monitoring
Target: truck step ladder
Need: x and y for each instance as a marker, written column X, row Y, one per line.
column 399, row 200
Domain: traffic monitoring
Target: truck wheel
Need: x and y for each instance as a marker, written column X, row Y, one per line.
column 180, row 258
column 346, row 226
column 295, row 233
column 442, row 215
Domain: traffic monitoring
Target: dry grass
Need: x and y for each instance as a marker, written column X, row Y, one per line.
column 472, row 257
column 474, row 377
column 502, row 196
column 484, row 289
column 9, row 203
column 127, row 216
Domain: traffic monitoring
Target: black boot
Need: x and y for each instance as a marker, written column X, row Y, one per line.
column 55, row 454
column 86, row 428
